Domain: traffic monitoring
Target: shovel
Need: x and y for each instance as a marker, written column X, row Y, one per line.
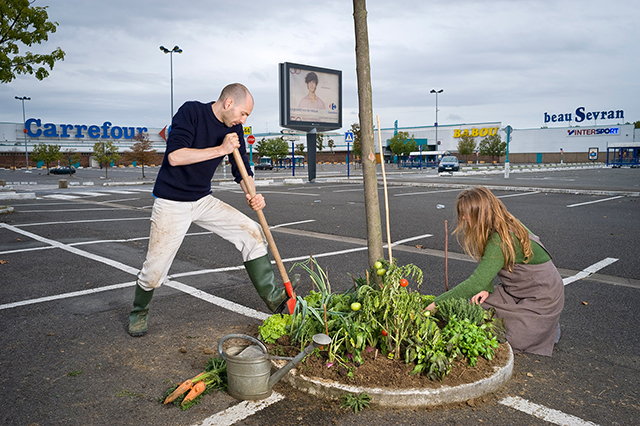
column 291, row 303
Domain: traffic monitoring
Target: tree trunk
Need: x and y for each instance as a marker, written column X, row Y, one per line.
column 363, row 71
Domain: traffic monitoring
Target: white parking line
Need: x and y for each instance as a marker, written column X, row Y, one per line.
column 518, row 195
column 544, row 413
column 586, row 272
column 240, row 411
column 596, row 201
column 427, row 192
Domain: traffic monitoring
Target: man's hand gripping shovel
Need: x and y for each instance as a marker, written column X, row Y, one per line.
column 291, row 303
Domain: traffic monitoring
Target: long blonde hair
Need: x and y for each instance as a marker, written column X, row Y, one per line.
column 480, row 214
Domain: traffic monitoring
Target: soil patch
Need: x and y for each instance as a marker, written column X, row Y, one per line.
column 380, row 371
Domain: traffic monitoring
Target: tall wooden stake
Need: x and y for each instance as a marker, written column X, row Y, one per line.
column 446, row 257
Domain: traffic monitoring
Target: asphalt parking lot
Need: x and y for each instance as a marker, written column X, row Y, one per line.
column 69, row 256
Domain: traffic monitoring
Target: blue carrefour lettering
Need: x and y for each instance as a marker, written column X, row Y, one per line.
column 36, row 129
column 93, row 132
column 27, row 125
column 79, row 128
column 580, row 115
column 50, row 130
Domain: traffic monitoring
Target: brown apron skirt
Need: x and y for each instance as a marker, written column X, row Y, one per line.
column 530, row 299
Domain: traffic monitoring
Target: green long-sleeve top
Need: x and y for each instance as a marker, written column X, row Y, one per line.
column 491, row 263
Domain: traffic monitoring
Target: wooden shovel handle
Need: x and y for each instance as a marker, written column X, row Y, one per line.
column 261, row 217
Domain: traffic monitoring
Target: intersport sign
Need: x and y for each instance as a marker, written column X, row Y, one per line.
column 594, row 132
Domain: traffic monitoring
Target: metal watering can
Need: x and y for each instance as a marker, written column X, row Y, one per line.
column 249, row 368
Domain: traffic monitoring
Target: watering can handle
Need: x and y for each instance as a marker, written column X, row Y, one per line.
column 240, row 336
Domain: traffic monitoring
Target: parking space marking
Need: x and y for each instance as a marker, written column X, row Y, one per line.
column 596, row 201
column 107, row 261
column 518, row 195
column 292, row 223
column 61, row 197
column 547, row 414
column 66, row 295
column 71, row 210
column 586, row 272
column 427, row 192
column 66, row 222
column 240, row 411
column 218, row 301
column 285, row 193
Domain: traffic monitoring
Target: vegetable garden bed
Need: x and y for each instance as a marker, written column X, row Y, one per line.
column 382, row 336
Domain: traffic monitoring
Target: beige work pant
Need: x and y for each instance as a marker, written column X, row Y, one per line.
column 170, row 221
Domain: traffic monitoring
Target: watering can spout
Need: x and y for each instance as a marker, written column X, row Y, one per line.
column 318, row 340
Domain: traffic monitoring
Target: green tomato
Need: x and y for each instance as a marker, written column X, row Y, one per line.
column 377, row 265
column 355, row 306
column 381, row 271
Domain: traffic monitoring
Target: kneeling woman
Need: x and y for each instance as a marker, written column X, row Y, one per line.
column 530, row 296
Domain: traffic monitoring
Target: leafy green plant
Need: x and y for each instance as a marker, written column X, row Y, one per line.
column 461, row 309
column 274, row 327
column 469, row 339
column 355, row 402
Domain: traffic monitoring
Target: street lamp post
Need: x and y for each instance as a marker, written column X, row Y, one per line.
column 24, row 121
column 436, row 123
column 175, row 49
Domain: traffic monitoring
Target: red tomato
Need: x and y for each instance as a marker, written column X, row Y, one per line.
column 384, row 333
column 404, row 283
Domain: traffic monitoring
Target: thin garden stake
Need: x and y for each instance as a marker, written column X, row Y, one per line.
column 446, row 257
column 386, row 196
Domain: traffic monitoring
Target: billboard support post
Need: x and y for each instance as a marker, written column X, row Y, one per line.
column 311, row 154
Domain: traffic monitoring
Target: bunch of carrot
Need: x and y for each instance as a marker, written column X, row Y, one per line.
column 214, row 377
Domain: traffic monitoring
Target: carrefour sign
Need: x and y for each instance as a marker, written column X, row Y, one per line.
column 581, row 115
column 594, row 132
column 35, row 129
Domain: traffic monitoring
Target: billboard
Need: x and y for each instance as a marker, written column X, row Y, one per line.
column 310, row 97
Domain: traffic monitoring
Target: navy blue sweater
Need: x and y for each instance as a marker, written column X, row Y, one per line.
column 195, row 126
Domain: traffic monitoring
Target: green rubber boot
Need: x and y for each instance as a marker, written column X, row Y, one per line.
column 264, row 280
column 138, row 316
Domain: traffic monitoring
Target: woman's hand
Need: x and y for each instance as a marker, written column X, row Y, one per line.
column 480, row 297
column 431, row 307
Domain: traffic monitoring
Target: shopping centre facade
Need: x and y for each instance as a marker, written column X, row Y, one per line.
column 542, row 145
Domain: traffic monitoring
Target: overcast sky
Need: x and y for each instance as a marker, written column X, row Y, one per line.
column 508, row 61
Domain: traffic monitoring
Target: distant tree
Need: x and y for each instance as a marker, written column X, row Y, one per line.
column 357, row 144
column 299, row 150
column 275, row 148
column 142, row 151
column 466, row 145
column 331, row 145
column 319, row 141
column 28, row 25
column 71, row 156
column 493, row 146
column 105, row 153
column 636, row 125
column 402, row 145
column 47, row 153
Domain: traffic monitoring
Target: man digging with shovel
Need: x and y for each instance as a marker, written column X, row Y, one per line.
column 201, row 136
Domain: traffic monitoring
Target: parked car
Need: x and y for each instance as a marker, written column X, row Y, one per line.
column 264, row 164
column 62, row 170
column 449, row 163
